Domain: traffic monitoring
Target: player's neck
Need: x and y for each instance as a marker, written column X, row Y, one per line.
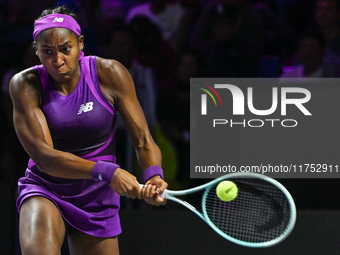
column 66, row 87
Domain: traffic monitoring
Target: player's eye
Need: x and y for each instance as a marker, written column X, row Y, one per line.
column 67, row 49
column 47, row 51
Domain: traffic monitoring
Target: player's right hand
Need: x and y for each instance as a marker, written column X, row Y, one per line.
column 125, row 184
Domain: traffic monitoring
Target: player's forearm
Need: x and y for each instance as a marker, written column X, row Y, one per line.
column 148, row 154
column 39, row 146
column 63, row 164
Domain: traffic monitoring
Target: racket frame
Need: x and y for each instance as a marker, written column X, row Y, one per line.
column 171, row 195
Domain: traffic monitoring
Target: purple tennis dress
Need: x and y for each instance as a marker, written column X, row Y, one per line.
column 82, row 123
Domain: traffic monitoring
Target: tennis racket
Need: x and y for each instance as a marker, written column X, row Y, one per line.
column 262, row 215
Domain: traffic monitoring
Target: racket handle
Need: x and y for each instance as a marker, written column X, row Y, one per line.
column 164, row 195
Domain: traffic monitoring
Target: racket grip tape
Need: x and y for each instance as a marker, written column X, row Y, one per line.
column 164, row 195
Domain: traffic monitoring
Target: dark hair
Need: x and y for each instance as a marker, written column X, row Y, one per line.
column 59, row 9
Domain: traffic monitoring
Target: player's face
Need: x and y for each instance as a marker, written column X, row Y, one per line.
column 58, row 50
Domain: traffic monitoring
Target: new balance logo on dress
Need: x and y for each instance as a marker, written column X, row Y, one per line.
column 100, row 177
column 58, row 19
column 85, row 107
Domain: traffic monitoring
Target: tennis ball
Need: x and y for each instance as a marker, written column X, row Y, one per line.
column 226, row 191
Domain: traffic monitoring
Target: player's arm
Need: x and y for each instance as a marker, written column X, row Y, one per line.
column 33, row 132
column 118, row 86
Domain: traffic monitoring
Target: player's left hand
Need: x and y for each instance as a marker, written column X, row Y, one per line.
column 152, row 190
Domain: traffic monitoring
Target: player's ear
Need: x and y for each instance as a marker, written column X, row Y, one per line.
column 81, row 42
column 34, row 47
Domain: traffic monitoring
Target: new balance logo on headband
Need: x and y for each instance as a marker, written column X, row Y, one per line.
column 85, row 107
column 58, row 19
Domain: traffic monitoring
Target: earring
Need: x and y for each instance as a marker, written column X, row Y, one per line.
column 37, row 53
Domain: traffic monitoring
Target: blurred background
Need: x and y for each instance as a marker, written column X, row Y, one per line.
column 163, row 43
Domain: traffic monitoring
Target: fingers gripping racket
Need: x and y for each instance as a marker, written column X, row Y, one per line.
column 262, row 215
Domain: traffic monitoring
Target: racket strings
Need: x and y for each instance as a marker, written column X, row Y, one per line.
column 260, row 212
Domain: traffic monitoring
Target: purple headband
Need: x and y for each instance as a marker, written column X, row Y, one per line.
column 56, row 20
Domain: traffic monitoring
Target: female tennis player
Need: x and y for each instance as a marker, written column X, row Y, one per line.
column 65, row 116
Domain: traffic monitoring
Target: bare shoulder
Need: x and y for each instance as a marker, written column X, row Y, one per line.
column 26, row 79
column 25, row 84
column 113, row 75
column 104, row 64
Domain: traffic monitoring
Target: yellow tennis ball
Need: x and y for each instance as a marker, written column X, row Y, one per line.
column 226, row 191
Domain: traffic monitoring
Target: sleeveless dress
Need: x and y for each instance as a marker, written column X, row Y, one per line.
column 82, row 123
